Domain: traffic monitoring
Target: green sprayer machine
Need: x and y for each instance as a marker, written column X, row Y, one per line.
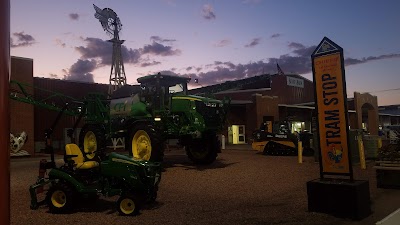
column 141, row 118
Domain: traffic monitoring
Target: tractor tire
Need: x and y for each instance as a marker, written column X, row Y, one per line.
column 128, row 205
column 204, row 151
column 60, row 198
column 92, row 141
column 145, row 143
column 153, row 197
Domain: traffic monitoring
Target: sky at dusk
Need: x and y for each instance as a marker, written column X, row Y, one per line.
column 213, row 41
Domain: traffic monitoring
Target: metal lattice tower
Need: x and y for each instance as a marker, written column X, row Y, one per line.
column 112, row 25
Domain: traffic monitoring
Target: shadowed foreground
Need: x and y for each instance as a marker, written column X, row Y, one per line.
column 242, row 187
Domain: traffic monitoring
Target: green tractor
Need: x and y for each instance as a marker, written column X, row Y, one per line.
column 81, row 180
column 141, row 118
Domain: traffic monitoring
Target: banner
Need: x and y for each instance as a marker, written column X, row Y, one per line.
column 331, row 100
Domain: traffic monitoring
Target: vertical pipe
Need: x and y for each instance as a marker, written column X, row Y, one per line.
column 4, row 112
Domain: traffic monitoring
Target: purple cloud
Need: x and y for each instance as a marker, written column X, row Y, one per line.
column 298, row 61
column 97, row 53
column 60, row 43
column 276, row 35
column 74, row 16
column 23, row 40
column 81, row 71
column 296, row 45
column 208, row 12
column 223, row 43
column 102, row 51
column 159, row 39
column 160, row 49
column 146, row 64
column 254, row 42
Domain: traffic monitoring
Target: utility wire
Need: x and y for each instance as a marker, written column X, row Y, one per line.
column 386, row 90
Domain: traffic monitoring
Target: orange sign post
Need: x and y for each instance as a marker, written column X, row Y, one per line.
column 334, row 195
column 331, row 105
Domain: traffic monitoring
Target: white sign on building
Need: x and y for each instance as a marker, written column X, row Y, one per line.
column 295, row 82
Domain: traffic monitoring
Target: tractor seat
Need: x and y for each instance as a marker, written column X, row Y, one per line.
column 76, row 155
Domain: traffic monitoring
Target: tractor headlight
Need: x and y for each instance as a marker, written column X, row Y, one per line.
column 211, row 104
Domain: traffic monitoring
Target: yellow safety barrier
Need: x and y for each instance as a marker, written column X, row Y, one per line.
column 379, row 143
column 361, row 151
column 300, row 153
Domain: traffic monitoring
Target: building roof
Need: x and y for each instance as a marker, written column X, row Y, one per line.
column 256, row 82
column 251, row 83
column 390, row 109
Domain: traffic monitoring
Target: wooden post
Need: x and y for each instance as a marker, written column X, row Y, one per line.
column 4, row 112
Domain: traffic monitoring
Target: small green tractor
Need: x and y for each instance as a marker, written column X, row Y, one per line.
column 141, row 118
column 80, row 180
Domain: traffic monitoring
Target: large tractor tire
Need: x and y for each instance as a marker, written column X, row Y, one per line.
column 60, row 198
column 204, row 151
column 146, row 143
column 92, row 141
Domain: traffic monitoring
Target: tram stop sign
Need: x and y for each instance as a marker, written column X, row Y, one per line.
column 347, row 198
column 331, row 106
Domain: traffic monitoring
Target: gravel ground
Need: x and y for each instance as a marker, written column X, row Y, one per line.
column 241, row 187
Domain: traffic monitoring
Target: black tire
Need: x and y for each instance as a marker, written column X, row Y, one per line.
column 204, row 151
column 92, row 140
column 269, row 148
column 60, row 198
column 128, row 205
column 146, row 143
column 153, row 196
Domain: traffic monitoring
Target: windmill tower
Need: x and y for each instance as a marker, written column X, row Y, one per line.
column 112, row 25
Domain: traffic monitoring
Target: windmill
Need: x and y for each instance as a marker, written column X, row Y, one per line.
column 112, row 26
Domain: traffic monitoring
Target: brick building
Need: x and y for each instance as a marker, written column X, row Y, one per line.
column 22, row 114
column 288, row 97
column 35, row 119
column 254, row 100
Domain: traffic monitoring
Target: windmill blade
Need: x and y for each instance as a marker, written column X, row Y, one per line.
column 98, row 10
column 108, row 19
column 100, row 14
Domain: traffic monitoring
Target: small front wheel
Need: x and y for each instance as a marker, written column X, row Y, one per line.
column 60, row 198
column 128, row 205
